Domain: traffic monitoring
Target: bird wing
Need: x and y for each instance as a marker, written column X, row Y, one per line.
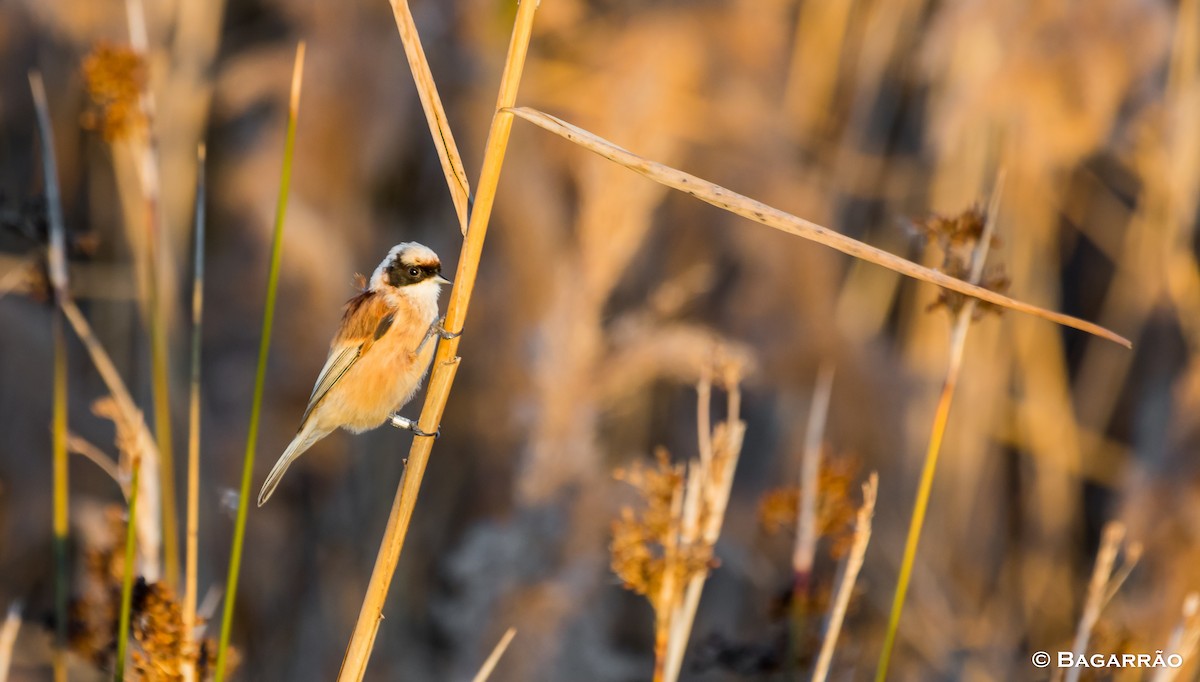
column 367, row 318
column 336, row 365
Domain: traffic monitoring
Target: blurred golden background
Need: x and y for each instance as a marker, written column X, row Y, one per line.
column 599, row 300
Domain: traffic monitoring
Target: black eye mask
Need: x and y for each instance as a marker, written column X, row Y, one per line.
column 400, row 275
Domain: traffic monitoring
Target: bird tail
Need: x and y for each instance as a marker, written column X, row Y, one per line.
column 304, row 439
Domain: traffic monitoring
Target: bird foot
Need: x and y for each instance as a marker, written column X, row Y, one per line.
column 406, row 424
column 440, row 328
column 436, row 329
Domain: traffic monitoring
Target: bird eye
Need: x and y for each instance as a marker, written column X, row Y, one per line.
column 413, row 272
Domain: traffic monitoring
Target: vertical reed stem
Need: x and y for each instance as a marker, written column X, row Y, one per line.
column 805, row 549
column 445, row 363
column 193, row 473
column 941, row 418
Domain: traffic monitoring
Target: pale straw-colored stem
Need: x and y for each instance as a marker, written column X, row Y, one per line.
column 191, row 552
column 854, row 562
column 95, row 455
column 1183, row 637
column 805, row 549
column 435, row 114
column 148, row 518
column 810, row 473
column 1101, row 589
column 709, row 488
column 144, row 147
column 485, row 671
column 667, row 600
column 445, row 363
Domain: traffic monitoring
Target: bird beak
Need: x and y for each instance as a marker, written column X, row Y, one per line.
column 442, row 280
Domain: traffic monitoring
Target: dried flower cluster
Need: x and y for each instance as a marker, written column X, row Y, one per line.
column 956, row 237
column 664, row 551
column 94, row 612
column 644, row 546
column 157, row 618
column 836, row 509
column 115, row 76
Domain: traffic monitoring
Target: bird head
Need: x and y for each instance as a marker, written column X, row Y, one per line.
column 409, row 268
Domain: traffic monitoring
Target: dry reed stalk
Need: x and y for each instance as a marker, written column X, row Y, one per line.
column 191, row 553
column 1101, row 588
column 706, row 497
column 854, row 562
column 115, row 78
column 670, row 592
column 8, row 638
column 260, row 376
column 485, row 671
column 665, row 551
column 445, row 363
column 772, row 217
column 435, row 114
column 1183, row 638
column 58, row 279
column 160, row 291
column 97, row 456
column 127, row 416
column 805, row 548
column 941, row 419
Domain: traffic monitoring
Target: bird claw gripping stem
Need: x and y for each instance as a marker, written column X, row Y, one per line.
column 439, row 328
column 406, row 424
column 436, row 329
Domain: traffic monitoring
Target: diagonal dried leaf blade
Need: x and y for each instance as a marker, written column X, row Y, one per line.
column 772, row 217
column 452, row 165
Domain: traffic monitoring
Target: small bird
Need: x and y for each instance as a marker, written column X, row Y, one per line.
column 379, row 356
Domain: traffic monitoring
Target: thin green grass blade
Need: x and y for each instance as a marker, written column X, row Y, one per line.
column 239, row 531
column 127, row 580
column 941, row 419
column 61, row 485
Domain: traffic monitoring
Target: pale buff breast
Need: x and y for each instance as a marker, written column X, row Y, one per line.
column 385, row 377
